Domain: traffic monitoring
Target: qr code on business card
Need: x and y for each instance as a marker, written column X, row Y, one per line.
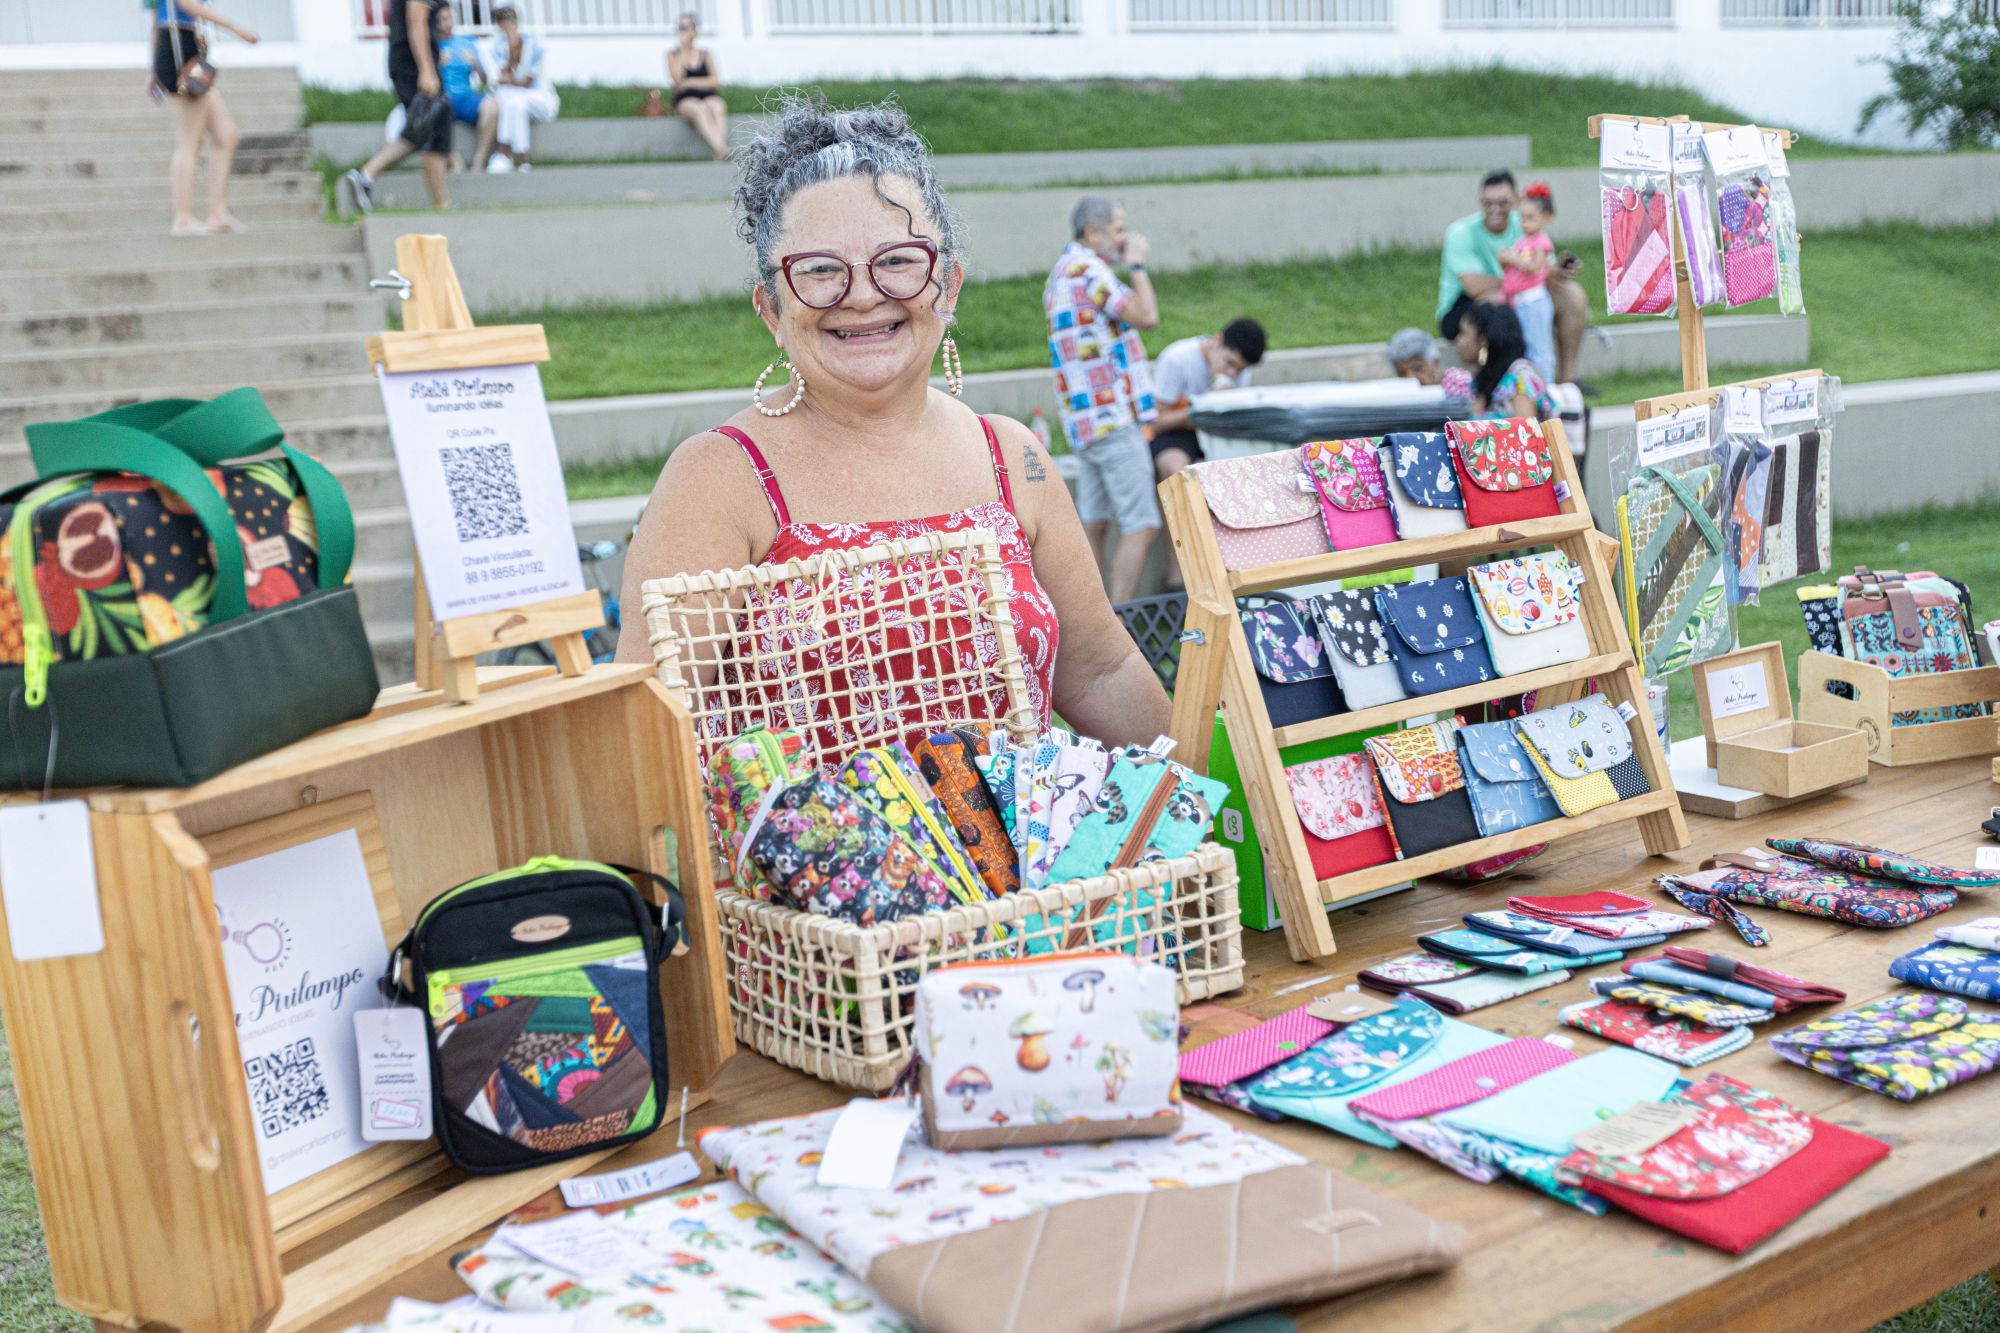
column 287, row 1087
column 485, row 492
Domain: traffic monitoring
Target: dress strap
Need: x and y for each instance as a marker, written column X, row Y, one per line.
column 769, row 479
column 999, row 465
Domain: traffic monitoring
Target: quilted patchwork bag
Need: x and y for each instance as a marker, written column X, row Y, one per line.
column 1506, row 790
column 1798, row 531
column 1424, row 497
column 1353, row 497
column 1340, row 809
column 541, row 988
column 1672, row 551
column 1428, row 806
column 1753, row 878
column 1264, row 510
column 1434, row 635
column 1356, row 638
column 1584, row 751
column 1529, row 611
column 1903, row 1046
column 1505, row 470
column 1294, row 670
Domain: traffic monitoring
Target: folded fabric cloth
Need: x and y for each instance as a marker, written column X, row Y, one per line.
column 1415, row 969
column 1879, row 861
column 1786, row 992
column 1570, row 907
column 1680, row 1040
column 1904, row 1046
column 1711, row 1010
column 1474, row 946
column 1745, row 1165
column 1552, row 938
column 1547, row 1112
column 1957, row 968
column 1483, row 988
column 1012, row 1239
column 1651, row 923
column 1982, row 933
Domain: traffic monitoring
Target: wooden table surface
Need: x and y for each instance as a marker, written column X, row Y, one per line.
column 1924, row 1219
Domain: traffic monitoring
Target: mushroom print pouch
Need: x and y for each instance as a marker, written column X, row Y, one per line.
column 1073, row 1047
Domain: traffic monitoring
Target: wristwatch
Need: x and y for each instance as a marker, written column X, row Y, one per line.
column 1135, row 268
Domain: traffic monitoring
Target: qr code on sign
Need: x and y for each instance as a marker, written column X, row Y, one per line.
column 485, row 493
column 286, row 1087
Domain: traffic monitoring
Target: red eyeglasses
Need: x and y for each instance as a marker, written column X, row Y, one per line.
column 821, row 279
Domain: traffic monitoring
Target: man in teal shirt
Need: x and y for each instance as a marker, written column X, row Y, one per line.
column 1469, row 270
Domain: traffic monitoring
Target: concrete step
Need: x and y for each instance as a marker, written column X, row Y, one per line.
column 629, row 138
column 143, row 120
column 112, row 219
column 111, row 287
column 116, row 145
column 315, row 399
column 121, row 159
column 252, row 361
column 370, row 483
column 75, row 192
column 106, row 84
column 54, row 331
column 147, row 242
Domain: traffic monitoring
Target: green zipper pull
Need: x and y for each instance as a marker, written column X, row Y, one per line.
column 40, row 652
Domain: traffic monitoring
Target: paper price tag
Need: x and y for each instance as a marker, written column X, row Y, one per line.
column 1740, row 149
column 1793, row 400
column 1742, row 411
column 48, row 881
column 1645, row 1126
column 1674, row 435
column 1986, row 858
column 1687, row 149
column 1774, row 153
column 393, row 1047
column 1561, row 934
column 1627, row 145
column 867, row 1139
column 582, row 1244
column 1349, row 1006
column 618, row 1186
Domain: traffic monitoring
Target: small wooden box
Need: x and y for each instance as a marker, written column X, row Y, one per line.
column 1745, row 699
column 1874, row 697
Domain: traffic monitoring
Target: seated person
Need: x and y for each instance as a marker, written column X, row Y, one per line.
column 1470, row 270
column 1413, row 355
column 516, row 68
column 1191, row 366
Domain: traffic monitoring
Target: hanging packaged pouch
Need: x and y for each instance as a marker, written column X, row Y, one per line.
column 1676, row 607
column 1265, row 509
column 1696, row 215
column 1294, row 671
column 1434, row 635
column 1784, row 227
column 1340, row 809
column 1429, row 809
column 1797, row 530
column 1635, row 182
column 1353, row 497
column 1356, row 639
column 1528, row 607
column 173, row 613
column 1505, row 470
column 541, row 986
column 1904, row 1046
column 1423, row 485
column 1584, row 751
column 1507, row 792
column 1743, row 205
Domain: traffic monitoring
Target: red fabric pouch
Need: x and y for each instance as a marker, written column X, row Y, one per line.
column 1340, row 810
column 1505, row 470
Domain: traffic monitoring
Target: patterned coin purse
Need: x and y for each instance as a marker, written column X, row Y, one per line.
column 1294, row 670
column 1262, row 514
column 1904, row 1046
column 1423, row 486
column 1340, row 809
column 1434, row 635
column 1506, row 790
column 1505, row 470
column 1427, row 802
column 830, row 853
column 1528, row 608
column 1584, row 751
column 1353, row 497
column 946, row 762
column 1357, row 644
column 1753, row 878
column 886, row 778
column 1958, row 969
column 741, row 774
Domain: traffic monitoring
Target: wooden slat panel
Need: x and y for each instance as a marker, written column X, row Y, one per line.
column 1448, row 701
column 1403, row 554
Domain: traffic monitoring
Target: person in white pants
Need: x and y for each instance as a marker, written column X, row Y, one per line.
column 517, row 71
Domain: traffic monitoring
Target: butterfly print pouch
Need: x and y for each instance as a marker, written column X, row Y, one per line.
column 1905, row 1046
column 946, row 762
column 1340, row 809
column 1505, row 470
column 1353, row 497
column 1584, row 751
column 1754, row 878
column 1884, row 864
column 1262, row 514
column 1528, row 611
column 1434, row 635
column 1357, row 645
column 1294, row 670
column 1428, row 806
column 1507, row 792
column 1148, row 807
column 1680, row 1041
column 1423, row 486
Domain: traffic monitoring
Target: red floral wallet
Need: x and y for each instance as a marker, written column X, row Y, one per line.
column 1505, row 470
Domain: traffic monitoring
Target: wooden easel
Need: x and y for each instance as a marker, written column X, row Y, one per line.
column 1216, row 671
column 438, row 334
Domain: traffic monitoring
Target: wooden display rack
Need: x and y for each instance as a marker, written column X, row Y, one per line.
column 1216, row 671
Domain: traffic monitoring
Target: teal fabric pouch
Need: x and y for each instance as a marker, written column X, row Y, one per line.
column 1547, row 1112
column 1148, row 807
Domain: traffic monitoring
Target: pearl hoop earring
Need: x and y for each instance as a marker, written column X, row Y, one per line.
column 954, row 369
column 798, row 382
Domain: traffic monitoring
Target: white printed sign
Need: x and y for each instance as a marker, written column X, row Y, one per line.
column 1792, row 400
column 1687, row 149
column 1627, row 145
column 484, row 486
column 1742, row 411
column 1673, row 435
column 302, row 947
column 1733, row 690
column 1737, row 150
column 1774, row 153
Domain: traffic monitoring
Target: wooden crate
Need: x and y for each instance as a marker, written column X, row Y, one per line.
column 132, row 1089
column 1876, row 697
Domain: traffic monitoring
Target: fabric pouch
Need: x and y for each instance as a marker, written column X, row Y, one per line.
column 1579, row 909
column 1427, row 803
column 1415, row 969
column 1148, row 807
column 1909, row 626
column 740, row 775
column 1786, row 992
column 1404, row 1112
column 1744, row 1166
column 1553, row 936
column 828, row 852
column 1798, row 533
column 1423, row 486
column 1505, row 470
column 1884, row 864
column 1507, row 792
column 1548, row 1111
column 1712, row 1010
column 1434, row 635
column 1294, row 670
column 1340, row 808
column 1958, row 969
column 1905, row 1046
column 885, row 777
column 541, row 986
column 1681, row 1041
column 1080, row 768
column 1649, row 923
column 1528, row 609
column 1074, row 1046
column 947, row 762
column 1743, row 205
column 1770, row 879
column 1221, row 1070
column 1262, row 514
column 1476, row 946
column 1468, row 993
column 1584, row 752
column 1819, row 608
column 1356, row 639
column 1669, row 973
column 1353, row 497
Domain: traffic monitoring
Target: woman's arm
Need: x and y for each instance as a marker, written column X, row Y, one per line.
column 711, row 81
column 1104, row 686
column 194, row 9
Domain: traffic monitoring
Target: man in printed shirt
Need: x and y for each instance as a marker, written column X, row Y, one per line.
column 1103, row 383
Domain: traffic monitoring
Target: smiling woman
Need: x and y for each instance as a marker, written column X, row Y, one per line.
column 845, row 442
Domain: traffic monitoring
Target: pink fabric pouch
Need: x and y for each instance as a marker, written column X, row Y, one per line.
column 1462, row 1082
column 1353, row 494
column 1264, row 509
column 1242, row 1054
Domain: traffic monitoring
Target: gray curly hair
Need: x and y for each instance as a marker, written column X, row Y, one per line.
column 811, row 144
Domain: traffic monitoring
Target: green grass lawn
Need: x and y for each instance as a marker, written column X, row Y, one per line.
column 1001, row 116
